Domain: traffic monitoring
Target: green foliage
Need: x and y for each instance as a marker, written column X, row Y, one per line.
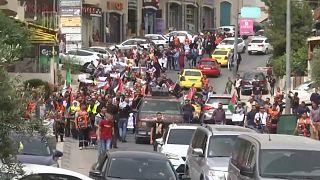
column 315, row 67
column 14, row 40
column 301, row 26
column 38, row 83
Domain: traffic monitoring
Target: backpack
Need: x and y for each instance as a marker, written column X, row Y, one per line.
column 82, row 121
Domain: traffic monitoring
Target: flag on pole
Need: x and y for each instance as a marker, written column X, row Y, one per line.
column 68, row 77
column 232, row 102
column 191, row 92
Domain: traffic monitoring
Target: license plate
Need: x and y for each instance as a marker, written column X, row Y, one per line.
column 206, row 68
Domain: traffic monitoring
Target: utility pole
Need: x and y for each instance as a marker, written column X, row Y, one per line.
column 288, row 59
column 235, row 48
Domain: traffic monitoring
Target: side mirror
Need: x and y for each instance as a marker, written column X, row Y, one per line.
column 246, row 171
column 159, row 141
column 198, row 152
column 95, row 174
column 57, row 154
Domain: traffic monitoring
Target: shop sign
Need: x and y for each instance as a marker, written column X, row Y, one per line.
column 246, row 26
column 92, row 11
column 70, row 30
column 47, row 52
column 73, row 37
column 70, row 3
column 70, row 11
column 70, row 21
column 115, row 5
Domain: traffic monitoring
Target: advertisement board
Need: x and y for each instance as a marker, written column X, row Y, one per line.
column 70, row 30
column 70, row 11
column 70, row 3
column 70, row 21
column 246, row 26
column 73, row 37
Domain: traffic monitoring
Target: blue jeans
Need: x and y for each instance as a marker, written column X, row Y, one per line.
column 122, row 125
column 104, row 145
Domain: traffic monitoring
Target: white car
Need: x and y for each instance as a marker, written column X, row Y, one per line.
column 181, row 35
column 212, row 103
column 304, row 91
column 159, row 40
column 227, row 30
column 106, row 52
column 144, row 42
column 259, row 44
column 175, row 144
column 40, row 172
column 81, row 57
column 228, row 43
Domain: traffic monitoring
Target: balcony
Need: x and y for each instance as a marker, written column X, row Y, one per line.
column 10, row 8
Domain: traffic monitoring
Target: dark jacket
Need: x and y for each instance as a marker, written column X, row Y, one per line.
column 124, row 112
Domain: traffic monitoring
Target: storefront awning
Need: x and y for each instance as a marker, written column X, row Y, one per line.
column 42, row 35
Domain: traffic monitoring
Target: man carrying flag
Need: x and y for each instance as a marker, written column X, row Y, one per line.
column 232, row 103
column 191, row 92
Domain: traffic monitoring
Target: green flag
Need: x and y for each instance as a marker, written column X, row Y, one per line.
column 232, row 102
column 68, row 77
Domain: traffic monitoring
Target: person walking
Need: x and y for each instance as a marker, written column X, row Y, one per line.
column 237, row 85
column 106, row 131
column 188, row 111
column 218, row 115
column 261, row 119
column 272, row 83
column 228, row 87
column 113, row 109
column 99, row 117
column 157, row 130
column 305, row 126
column 82, row 122
column 315, row 118
column 124, row 111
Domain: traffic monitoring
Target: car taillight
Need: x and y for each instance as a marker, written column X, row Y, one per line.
column 206, row 108
column 182, row 78
column 249, row 44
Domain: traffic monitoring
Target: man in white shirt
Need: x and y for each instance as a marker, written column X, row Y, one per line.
column 261, row 119
column 237, row 85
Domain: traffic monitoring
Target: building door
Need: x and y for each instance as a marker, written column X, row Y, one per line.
column 115, row 27
column 225, row 13
column 174, row 16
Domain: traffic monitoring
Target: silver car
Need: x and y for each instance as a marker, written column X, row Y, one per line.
column 210, row 150
column 212, row 103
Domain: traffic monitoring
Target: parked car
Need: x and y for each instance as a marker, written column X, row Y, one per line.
column 229, row 30
column 188, row 77
column 274, row 157
column 133, row 165
column 212, row 103
column 143, row 42
column 170, row 108
column 40, row 172
column 259, row 44
column 222, row 56
column 210, row 150
column 106, row 52
column 82, row 57
column 209, row 66
column 228, row 43
column 35, row 150
column 304, row 91
column 181, row 35
column 159, row 40
column 247, row 80
column 175, row 142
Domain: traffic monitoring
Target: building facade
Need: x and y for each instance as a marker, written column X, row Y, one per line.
column 13, row 8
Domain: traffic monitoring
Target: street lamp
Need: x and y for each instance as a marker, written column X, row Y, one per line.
column 288, row 56
column 235, row 48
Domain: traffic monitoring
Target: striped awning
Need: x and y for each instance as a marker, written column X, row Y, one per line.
column 132, row 5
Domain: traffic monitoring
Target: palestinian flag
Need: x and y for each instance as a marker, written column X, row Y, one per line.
column 232, row 102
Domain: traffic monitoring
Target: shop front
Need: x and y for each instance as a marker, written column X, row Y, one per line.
column 91, row 25
column 208, row 15
column 115, row 21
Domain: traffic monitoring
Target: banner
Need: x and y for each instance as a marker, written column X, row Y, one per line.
column 246, row 26
column 48, row 52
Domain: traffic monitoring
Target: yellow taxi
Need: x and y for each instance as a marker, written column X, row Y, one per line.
column 221, row 55
column 187, row 77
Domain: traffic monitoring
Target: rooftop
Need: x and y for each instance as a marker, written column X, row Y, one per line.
column 229, row 129
column 137, row 154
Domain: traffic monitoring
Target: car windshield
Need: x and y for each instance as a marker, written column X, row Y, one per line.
column 304, row 87
column 250, row 76
column 164, row 106
column 227, row 42
column 221, row 145
column 33, row 146
column 180, row 136
column 217, row 100
column 210, row 63
column 289, row 163
column 192, row 73
column 138, row 168
column 257, row 41
column 220, row 52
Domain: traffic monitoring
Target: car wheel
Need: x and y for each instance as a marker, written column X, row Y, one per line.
column 249, row 52
column 266, row 51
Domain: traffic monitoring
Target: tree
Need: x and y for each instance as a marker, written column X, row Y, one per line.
column 13, row 97
column 301, row 29
column 315, row 66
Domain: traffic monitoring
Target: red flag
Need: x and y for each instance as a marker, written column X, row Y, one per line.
column 106, row 86
column 191, row 92
column 120, row 86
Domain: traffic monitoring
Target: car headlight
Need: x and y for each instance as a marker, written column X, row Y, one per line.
column 172, row 156
column 220, row 175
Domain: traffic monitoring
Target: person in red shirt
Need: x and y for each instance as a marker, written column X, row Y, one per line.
column 106, row 132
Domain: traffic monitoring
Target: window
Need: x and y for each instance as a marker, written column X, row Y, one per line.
column 240, row 152
column 208, row 63
column 227, row 42
column 257, row 41
column 182, row 34
column 220, row 52
column 221, row 146
column 155, row 37
column 192, row 73
column 197, row 139
column 240, row 41
column 266, row 41
column 180, row 136
column 251, row 162
column 83, row 53
column 49, row 177
column 250, row 76
column 127, row 43
column 72, row 52
column 166, row 107
column 216, row 100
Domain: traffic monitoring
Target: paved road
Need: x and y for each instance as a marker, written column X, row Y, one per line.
column 81, row 161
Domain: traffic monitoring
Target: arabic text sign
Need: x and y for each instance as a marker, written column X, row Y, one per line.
column 246, row 26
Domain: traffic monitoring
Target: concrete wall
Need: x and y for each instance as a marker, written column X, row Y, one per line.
column 27, row 76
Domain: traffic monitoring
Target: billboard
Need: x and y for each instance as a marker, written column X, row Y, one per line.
column 246, row 26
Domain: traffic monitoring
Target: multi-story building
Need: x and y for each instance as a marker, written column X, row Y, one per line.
column 13, row 8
